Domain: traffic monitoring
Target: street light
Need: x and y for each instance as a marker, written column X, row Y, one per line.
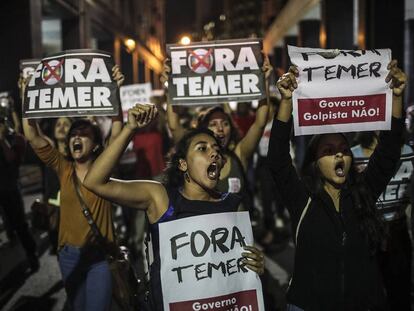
column 185, row 40
column 130, row 44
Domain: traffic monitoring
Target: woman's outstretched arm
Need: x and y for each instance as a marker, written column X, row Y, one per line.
column 287, row 182
column 248, row 144
column 117, row 121
column 381, row 166
column 173, row 118
column 30, row 127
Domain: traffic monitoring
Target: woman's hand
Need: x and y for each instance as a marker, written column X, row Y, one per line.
column 22, row 84
column 117, row 75
column 287, row 83
column 165, row 71
column 267, row 67
column 397, row 77
column 141, row 115
column 254, row 259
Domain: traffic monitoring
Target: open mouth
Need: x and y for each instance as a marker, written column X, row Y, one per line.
column 212, row 171
column 221, row 139
column 339, row 169
column 77, row 146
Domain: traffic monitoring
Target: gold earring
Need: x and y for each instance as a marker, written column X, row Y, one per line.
column 186, row 176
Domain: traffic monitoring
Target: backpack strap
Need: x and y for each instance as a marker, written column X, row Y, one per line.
column 301, row 218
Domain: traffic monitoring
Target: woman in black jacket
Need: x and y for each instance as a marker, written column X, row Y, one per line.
column 333, row 209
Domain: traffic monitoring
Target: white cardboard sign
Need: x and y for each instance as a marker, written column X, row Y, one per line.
column 341, row 90
column 201, row 267
column 134, row 94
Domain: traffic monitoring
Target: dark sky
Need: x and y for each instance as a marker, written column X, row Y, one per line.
column 180, row 17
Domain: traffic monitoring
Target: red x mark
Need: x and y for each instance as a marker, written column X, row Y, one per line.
column 201, row 59
column 52, row 71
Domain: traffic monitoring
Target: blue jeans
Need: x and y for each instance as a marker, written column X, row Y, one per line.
column 293, row 308
column 87, row 279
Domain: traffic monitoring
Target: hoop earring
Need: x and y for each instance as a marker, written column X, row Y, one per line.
column 186, row 176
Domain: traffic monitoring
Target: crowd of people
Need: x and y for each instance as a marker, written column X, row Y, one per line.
column 351, row 252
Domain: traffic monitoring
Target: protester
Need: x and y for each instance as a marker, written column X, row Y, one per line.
column 333, row 209
column 190, row 190
column 12, row 147
column 82, row 262
column 395, row 253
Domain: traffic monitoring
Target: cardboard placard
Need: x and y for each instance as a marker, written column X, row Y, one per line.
column 72, row 83
column 201, row 264
column 216, row 72
column 341, row 90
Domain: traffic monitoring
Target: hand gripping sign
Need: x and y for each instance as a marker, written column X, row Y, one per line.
column 341, row 90
column 72, row 83
column 201, row 264
column 217, row 71
column 28, row 66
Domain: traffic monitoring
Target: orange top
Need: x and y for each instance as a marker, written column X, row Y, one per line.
column 73, row 227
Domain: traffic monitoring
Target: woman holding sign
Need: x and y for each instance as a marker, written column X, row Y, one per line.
column 192, row 176
column 333, row 209
column 82, row 262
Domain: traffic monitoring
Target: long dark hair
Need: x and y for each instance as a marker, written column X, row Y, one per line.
column 97, row 135
column 363, row 199
column 204, row 119
column 173, row 176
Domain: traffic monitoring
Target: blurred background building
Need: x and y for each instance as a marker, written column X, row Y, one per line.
column 351, row 24
column 132, row 30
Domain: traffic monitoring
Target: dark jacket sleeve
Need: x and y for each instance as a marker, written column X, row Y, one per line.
column 288, row 185
column 383, row 162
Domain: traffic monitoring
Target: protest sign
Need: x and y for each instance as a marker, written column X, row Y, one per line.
column 28, row 66
column 397, row 192
column 217, row 71
column 72, row 83
column 341, row 90
column 201, row 264
column 134, row 94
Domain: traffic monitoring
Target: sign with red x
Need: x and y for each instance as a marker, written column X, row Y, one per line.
column 216, row 72
column 52, row 71
column 72, row 83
